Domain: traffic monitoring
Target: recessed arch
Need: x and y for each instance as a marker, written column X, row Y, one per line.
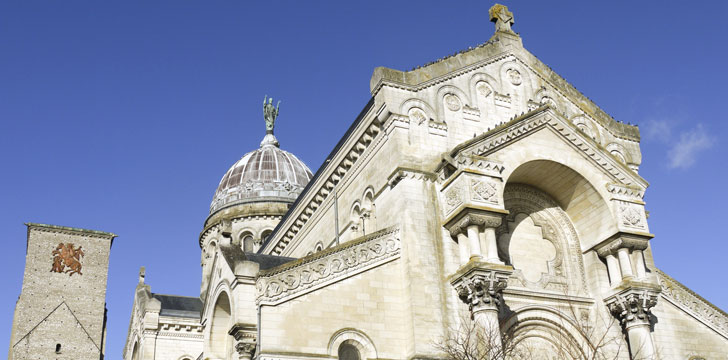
column 355, row 338
column 220, row 342
column 414, row 103
column 135, row 351
column 583, row 202
column 550, row 326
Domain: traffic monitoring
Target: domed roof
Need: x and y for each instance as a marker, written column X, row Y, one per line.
column 265, row 174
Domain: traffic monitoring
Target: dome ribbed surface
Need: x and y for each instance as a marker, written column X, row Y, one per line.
column 266, row 174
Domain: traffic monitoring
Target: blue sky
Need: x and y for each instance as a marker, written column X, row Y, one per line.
column 123, row 116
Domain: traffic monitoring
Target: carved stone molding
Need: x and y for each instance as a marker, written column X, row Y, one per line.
column 631, row 215
column 471, row 216
column 312, row 272
column 480, row 285
column 627, row 193
column 690, row 302
column 632, row 305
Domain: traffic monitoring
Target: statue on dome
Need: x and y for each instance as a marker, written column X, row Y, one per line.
column 270, row 113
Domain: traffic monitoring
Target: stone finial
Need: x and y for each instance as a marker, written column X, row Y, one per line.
column 502, row 18
column 142, row 274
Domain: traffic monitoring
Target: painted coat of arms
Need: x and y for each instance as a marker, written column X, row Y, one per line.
column 67, row 259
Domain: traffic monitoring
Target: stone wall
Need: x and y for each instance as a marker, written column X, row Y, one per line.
column 65, row 308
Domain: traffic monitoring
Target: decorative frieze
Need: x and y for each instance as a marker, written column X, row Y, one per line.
column 699, row 308
column 326, row 267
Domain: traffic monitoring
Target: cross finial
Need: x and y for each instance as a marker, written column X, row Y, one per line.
column 502, row 18
column 142, row 274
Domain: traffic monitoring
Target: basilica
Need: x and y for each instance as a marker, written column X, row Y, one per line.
column 477, row 194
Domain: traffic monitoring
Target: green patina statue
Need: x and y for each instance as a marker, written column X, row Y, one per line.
column 270, row 113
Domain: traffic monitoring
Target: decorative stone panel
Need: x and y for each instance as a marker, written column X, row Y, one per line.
column 476, row 183
column 312, row 272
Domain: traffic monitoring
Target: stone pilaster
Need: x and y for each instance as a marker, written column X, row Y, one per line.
column 245, row 340
column 631, row 305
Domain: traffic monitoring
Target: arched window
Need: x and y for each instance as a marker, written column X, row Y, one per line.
column 58, row 348
column 348, row 351
column 264, row 235
column 248, row 242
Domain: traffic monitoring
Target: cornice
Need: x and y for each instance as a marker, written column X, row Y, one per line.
column 345, row 160
column 70, row 230
column 693, row 304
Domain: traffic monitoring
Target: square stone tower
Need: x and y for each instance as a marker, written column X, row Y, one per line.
column 61, row 311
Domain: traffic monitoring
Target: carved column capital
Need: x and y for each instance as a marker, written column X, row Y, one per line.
column 622, row 240
column 245, row 337
column 632, row 306
column 472, row 216
column 480, row 285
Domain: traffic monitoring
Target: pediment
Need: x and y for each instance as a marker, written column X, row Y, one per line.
column 545, row 117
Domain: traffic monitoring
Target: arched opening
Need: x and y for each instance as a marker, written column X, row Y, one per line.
column 135, row 351
column 585, row 206
column 220, row 341
column 58, row 348
column 347, row 351
column 264, row 235
column 247, row 242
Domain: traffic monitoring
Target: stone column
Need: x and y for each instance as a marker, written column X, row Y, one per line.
column 480, row 286
column 639, row 264
column 464, row 251
column 624, row 262
column 491, row 241
column 632, row 307
column 474, row 241
column 615, row 275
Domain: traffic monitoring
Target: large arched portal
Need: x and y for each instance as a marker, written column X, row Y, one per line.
column 220, row 341
column 574, row 194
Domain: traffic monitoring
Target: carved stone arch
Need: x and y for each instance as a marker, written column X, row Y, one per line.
column 517, row 82
column 557, row 334
column 507, row 77
column 355, row 337
column 411, row 103
column 574, row 184
column 588, row 126
column 355, row 216
column 483, row 78
column 187, row 357
column 544, row 96
column 446, row 90
column 619, row 152
column 565, row 271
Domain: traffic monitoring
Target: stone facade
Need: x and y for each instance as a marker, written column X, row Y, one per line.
column 481, row 186
column 61, row 311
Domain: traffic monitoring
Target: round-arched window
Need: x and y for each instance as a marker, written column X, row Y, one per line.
column 348, row 351
column 248, row 243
